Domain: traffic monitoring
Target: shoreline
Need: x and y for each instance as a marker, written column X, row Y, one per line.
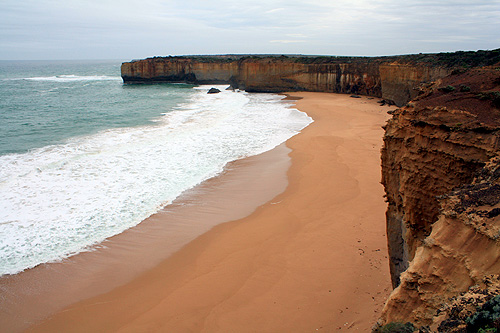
column 313, row 258
column 30, row 296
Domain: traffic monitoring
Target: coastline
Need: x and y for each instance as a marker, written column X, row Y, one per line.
column 245, row 184
column 313, row 258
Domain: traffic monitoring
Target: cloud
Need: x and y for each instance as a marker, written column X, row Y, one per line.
column 125, row 29
column 274, row 10
column 286, row 41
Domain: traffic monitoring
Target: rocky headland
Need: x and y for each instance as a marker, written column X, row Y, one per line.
column 440, row 164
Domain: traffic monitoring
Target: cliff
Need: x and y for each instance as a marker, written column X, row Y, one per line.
column 441, row 173
column 392, row 78
column 260, row 74
column 399, row 80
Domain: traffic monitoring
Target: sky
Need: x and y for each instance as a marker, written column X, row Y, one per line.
column 125, row 29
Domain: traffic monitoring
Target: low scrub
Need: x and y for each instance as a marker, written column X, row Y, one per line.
column 487, row 317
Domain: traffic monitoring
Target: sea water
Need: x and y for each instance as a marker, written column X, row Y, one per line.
column 84, row 157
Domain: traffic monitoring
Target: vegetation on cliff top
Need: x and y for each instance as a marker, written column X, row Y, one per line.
column 459, row 59
column 486, row 318
column 396, row 328
column 464, row 59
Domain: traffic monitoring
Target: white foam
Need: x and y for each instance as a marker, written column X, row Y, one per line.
column 62, row 199
column 73, row 78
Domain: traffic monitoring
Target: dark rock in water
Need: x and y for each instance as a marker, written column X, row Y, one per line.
column 355, row 96
column 230, row 88
column 213, row 91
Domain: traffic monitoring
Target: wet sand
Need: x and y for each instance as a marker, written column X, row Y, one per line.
column 312, row 258
column 30, row 296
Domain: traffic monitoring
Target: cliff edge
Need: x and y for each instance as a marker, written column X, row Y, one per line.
column 441, row 173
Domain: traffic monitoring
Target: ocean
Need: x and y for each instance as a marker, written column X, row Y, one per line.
column 84, row 157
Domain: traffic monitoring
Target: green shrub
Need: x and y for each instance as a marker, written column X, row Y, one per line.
column 485, row 317
column 464, row 88
column 447, row 89
column 493, row 96
column 397, row 328
column 487, row 330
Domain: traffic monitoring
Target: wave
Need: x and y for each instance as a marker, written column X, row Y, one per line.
column 71, row 78
column 62, row 199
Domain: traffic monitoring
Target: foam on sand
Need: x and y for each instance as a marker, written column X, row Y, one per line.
column 61, row 199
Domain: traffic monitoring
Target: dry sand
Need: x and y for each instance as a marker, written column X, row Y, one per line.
column 313, row 258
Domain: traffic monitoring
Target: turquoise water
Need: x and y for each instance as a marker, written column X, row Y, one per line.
column 84, row 157
column 43, row 102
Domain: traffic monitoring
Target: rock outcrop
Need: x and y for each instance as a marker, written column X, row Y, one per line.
column 441, row 172
column 213, row 91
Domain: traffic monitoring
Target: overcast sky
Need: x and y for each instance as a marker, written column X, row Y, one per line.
column 125, row 29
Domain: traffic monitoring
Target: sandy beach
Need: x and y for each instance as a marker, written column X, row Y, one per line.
column 313, row 258
column 245, row 184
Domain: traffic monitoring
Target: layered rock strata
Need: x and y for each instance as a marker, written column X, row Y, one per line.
column 400, row 80
column 391, row 78
column 272, row 74
column 441, row 172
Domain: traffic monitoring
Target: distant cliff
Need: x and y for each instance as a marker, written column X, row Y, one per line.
column 259, row 74
column 390, row 78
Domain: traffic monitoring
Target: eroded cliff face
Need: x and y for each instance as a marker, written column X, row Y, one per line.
column 278, row 76
column 441, row 172
column 154, row 70
column 394, row 78
column 399, row 80
column 393, row 81
column 462, row 252
column 273, row 74
column 427, row 152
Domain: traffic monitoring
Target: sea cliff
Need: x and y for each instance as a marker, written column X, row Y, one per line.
column 441, row 173
column 259, row 74
column 390, row 78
